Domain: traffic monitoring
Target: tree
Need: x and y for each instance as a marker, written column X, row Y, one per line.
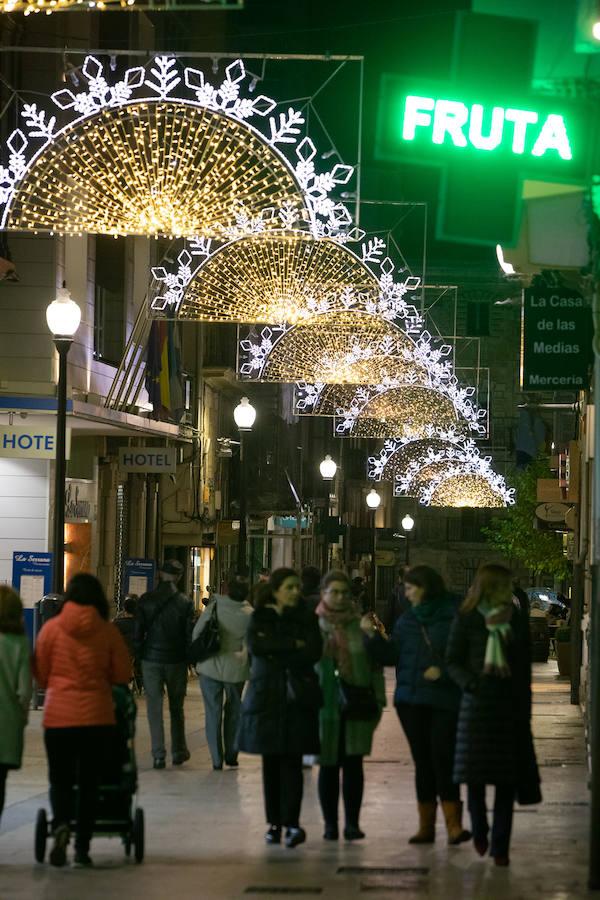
column 515, row 534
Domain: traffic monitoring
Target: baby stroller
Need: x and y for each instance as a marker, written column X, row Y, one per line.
column 117, row 813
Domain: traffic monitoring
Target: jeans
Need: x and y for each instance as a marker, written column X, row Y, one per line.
column 283, row 784
column 503, row 816
column 156, row 677
column 75, row 757
column 221, row 722
column 353, row 786
column 431, row 734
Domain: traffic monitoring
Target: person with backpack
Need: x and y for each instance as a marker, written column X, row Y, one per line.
column 15, row 684
column 164, row 624
column 222, row 676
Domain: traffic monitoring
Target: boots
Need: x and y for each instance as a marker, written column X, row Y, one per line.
column 426, row 832
column 453, row 815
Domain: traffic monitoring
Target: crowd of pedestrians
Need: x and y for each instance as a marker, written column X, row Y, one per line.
column 298, row 672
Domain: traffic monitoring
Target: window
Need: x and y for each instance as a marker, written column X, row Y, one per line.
column 109, row 299
column 478, row 319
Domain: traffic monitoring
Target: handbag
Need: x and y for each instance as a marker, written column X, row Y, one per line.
column 208, row 642
column 357, row 704
column 303, row 689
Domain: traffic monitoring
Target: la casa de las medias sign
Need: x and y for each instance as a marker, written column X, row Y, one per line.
column 557, row 334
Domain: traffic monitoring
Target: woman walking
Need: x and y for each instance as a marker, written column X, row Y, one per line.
column 222, row 676
column 426, row 699
column 79, row 656
column 353, row 697
column 280, row 710
column 15, row 685
column 489, row 657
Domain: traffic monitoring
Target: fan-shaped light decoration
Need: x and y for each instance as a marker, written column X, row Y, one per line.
column 161, row 151
column 424, row 462
column 27, row 7
column 388, row 410
column 279, row 276
column 460, row 486
column 398, row 453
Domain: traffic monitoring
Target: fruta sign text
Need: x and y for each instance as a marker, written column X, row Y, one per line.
column 526, row 132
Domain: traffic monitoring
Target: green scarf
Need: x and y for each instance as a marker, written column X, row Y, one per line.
column 428, row 610
column 497, row 622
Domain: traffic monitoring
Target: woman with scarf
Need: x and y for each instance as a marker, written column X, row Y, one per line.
column 426, row 699
column 353, row 697
column 489, row 657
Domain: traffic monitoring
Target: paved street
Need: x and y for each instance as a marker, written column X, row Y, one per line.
column 205, row 829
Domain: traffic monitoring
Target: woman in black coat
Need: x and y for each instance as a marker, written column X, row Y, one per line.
column 489, row 657
column 280, row 710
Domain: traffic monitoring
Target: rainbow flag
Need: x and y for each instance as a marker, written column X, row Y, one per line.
column 164, row 381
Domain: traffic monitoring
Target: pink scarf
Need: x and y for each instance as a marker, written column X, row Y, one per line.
column 334, row 623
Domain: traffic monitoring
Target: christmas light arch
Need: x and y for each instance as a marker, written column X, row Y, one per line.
column 462, row 486
column 161, row 152
column 397, row 454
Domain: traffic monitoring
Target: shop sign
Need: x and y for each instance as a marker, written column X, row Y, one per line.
column 552, row 512
column 31, row 579
column 148, row 459
column 79, row 501
column 138, row 576
column 556, row 340
column 30, row 443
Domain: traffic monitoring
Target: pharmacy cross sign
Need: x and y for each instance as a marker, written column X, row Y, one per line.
column 486, row 135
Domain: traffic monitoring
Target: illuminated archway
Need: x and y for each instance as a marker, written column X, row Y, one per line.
column 161, row 151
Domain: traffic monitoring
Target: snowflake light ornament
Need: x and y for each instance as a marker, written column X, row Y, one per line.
column 161, row 151
column 463, row 485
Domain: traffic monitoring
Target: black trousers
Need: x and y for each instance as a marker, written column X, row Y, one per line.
column 431, row 734
column 353, row 781
column 75, row 756
column 283, row 784
column 3, row 773
column 503, row 816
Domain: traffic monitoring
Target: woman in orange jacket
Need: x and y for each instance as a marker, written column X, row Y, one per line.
column 79, row 655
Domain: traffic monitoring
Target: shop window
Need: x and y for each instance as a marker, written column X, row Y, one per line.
column 478, row 319
column 109, row 299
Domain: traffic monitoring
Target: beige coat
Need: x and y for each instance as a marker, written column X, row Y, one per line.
column 231, row 663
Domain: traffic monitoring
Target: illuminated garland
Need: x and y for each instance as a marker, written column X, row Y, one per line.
column 431, row 462
column 463, row 486
column 162, row 151
column 397, row 453
column 280, row 276
column 390, row 410
column 27, row 7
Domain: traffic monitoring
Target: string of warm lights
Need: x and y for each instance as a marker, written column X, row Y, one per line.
column 431, row 462
column 27, row 7
column 397, row 454
column 161, row 151
column 461, row 486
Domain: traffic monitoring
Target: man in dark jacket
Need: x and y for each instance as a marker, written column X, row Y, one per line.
column 163, row 635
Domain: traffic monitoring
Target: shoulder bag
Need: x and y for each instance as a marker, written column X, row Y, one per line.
column 208, row 642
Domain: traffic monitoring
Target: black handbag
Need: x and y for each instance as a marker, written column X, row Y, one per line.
column 303, row 689
column 208, row 642
column 357, row 704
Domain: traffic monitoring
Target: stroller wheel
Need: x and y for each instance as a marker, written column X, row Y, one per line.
column 138, row 835
column 41, row 836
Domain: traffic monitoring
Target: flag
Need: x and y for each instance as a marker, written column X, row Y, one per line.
column 164, row 380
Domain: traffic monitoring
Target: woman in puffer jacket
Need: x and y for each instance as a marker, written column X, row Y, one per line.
column 79, row 656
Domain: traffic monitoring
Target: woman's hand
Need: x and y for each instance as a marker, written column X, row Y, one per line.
column 368, row 625
column 433, row 673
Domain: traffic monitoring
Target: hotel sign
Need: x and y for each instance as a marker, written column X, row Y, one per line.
column 30, row 443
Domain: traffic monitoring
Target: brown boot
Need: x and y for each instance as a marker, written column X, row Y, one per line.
column 453, row 816
column 426, row 832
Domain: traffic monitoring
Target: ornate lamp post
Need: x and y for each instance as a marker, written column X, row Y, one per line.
column 63, row 317
column 373, row 500
column 244, row 415
column 408, row 523
column 328, row 468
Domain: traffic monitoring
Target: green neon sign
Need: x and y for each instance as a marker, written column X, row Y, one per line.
column 486, row 128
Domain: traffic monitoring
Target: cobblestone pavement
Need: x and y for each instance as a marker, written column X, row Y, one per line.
column 204, row 829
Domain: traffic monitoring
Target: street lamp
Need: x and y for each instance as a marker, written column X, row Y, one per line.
column 327, row 468
column 244, row 415
column 63, row 317
column 373, row 500
column 408, row 523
